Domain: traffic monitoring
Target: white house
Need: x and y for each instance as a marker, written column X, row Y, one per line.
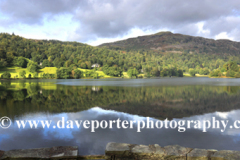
column 95, row 65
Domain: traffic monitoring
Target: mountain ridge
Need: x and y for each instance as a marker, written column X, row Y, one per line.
column 168, row 41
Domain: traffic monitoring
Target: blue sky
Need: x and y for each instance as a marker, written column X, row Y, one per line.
column 95, row 22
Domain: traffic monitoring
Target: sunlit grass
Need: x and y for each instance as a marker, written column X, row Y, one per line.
column 198, row 75
column 14, row 71
column 100, row 73
column 125, row 75
column 186, row 75
column 49, row 70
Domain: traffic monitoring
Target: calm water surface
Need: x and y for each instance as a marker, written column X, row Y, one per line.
column 172, row 98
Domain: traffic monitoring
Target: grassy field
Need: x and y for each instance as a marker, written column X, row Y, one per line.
column 49, row 70
column 100, row 73
column 196, row 75
column 14, row 71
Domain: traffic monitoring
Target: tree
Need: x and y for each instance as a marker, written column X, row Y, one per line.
column 155, row 72
column 46, row 63
column 32, row 67
column 3, row 63
column 192, row 72
column 237, row 75
column 63, row 73
column 77, row 74
column 95, row 75
column 215, row 73
column 22, row 74
column 230, row 73
column 132, row 72
column 180, row 73
column 6, row 75
column 21, row 62
column 231, row 65
column 205, row 71
column 35, row 75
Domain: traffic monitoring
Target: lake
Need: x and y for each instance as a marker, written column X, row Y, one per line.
column 126, row 99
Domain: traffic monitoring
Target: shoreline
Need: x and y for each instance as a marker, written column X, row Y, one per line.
column 123, row 151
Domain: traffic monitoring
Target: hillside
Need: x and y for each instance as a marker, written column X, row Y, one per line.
column 159, row 55
column 177, row 43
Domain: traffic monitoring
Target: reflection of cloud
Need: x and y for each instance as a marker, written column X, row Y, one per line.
column 31, row 138
column 223, row 115
column 94, row 143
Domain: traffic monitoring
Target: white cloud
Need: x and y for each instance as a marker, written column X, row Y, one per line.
column 96, row 22
column 135, row 32
column 223, row 35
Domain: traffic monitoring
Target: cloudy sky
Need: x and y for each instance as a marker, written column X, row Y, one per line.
column 98, row 21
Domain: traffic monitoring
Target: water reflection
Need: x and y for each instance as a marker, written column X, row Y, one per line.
column 20, row 98
column 179, row 99
column 94, row 143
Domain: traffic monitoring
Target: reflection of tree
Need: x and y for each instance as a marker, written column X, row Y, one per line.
column 231, row 89
column 6, row 84
column 160, row 102
column 19, row 95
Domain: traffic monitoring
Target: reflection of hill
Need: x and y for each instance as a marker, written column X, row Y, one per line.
column 161, row 102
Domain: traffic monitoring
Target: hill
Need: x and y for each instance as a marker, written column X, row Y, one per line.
column 16, row 51
column 177, row 43
column 159, row 55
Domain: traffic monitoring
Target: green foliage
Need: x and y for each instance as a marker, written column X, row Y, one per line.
column 112, row 71
column 20, row 62
column 231, row 65
column 23, row 74
column 223, row 69
column 32, row 67
column 237, row 75
column 3, row 63
column 132, row 72
column 35, row 75
column 215, row 73
column 14, row 50
column 171, row 72
column 204, row 71
column 46, row 63
column 78, row 74
column 147, row 74
column 230, row 73
column 155, row 72
column 49, row 76
column 95, row 75
column 63, row 73
column 192, row 72
column 6, row 75
column 180, row 73
column 89, row 73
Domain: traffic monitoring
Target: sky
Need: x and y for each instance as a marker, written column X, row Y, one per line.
column 99, row 21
